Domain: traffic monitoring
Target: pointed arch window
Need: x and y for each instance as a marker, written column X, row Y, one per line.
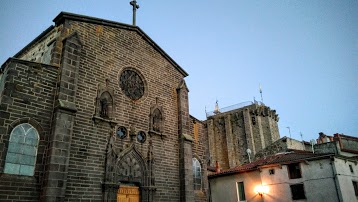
column 196, row 174
column 22, row 150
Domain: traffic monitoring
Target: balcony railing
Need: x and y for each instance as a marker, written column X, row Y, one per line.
column 233, row 107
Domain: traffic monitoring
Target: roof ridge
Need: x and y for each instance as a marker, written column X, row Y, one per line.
column 88, row 19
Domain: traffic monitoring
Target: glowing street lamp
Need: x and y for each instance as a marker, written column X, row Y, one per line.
column 261, row 189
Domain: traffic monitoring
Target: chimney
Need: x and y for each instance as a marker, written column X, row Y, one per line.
column 217, row 167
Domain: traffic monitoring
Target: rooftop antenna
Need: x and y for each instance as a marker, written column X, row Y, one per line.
column 289, row 131
column 262, row 100
column 135, row 7
column 303, row 143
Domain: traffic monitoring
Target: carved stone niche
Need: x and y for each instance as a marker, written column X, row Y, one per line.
column 104, row 104
column 156, row 120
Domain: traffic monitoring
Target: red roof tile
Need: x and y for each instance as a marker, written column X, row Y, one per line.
column 211, row 168
column 279, row 158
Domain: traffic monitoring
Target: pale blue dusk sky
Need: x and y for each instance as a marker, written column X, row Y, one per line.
column 304, row 53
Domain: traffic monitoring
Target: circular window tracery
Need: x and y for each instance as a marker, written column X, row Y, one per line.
column 132, row 84
column 121, row 132
column 141, row 136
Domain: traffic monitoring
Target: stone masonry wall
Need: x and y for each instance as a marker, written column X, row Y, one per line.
column 240, row 137
column 198, row 129
column 106, row 52
column 266, row 130
column 41, row 51
column 256, row 122
column 27, row 98
column 220, row 141
column 230, row 134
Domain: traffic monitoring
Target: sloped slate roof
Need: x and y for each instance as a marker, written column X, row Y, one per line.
column 71, row 16
column 280, row 158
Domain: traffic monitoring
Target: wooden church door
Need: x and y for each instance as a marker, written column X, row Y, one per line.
column 128, row 194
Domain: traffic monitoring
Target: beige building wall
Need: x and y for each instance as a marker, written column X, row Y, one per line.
column 224, row 188
column 315, row 175
column 345, row 178
column 324, row 180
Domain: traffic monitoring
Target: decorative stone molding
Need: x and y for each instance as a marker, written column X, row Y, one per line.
column 128, row 166
column 261, row 110
column 104, row 111
column 188, row 138
column 132, row 84
column 156, row 120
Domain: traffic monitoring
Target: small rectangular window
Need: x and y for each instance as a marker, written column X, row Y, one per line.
column 351, row 168
column 355, row 186
column 294, row 171
column 272, row 171
column 297, row 191
column 241, row 191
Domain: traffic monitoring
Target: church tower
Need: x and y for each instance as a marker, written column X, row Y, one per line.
column 238, row 132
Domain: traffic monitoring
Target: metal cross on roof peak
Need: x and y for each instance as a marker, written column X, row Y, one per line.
column 135, row 7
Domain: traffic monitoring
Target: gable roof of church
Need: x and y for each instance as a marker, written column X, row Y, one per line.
column 71, row 16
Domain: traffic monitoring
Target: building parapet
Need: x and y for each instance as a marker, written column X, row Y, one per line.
column 233, row 107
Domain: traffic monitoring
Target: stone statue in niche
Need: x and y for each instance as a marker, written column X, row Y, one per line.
column 104, row 102
column 105, row 105
column 157, row 120
column 104, row 108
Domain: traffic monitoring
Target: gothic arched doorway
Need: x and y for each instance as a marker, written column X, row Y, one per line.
column 129, row 176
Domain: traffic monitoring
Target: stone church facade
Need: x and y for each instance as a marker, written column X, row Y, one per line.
column 95, row 110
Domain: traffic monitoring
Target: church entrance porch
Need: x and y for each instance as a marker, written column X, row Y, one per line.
column 129, row 176
column 128, row 194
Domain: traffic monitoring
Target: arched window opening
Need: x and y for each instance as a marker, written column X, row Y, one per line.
column 196, row 174
column 22, row 150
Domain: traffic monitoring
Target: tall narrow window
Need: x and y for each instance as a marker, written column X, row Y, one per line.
column 196, row 174
column 294, row 171
column 241, row 191
column 351, row 168
column 22, row 150
column 355, row 187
